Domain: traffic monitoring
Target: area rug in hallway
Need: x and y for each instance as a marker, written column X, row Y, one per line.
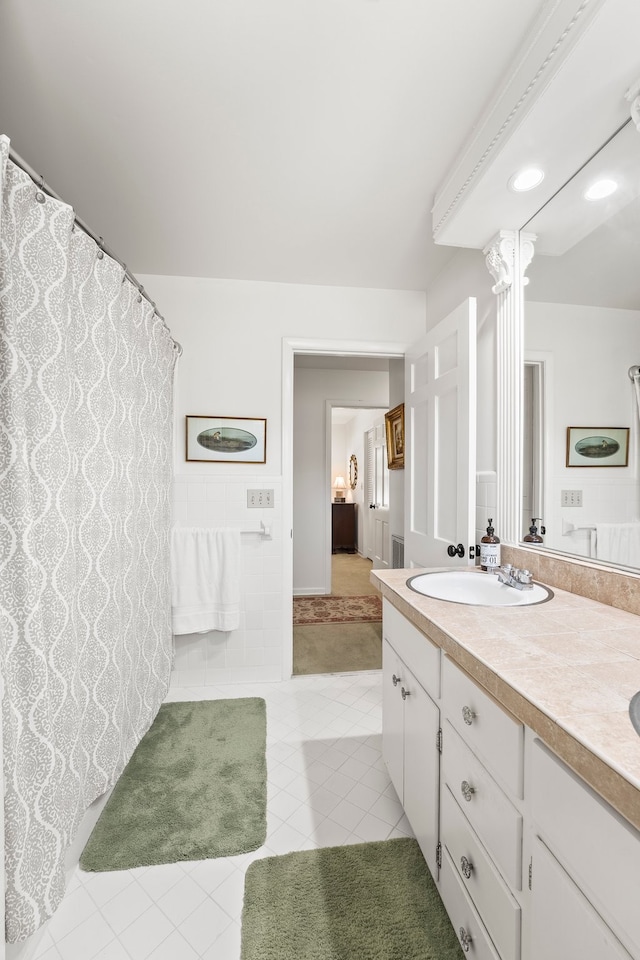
column 329, row 609
column 368, row 901
column 195, row 788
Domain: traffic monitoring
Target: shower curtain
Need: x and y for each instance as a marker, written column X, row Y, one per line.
column 86, row 374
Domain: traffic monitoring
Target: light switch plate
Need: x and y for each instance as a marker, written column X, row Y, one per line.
column 571, row 498
column 259, row 498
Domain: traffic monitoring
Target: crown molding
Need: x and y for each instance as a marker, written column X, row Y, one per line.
column 552, row 38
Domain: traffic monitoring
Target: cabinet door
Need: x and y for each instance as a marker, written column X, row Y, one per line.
column 564, row 925
column 393, row 675
column 421, row 768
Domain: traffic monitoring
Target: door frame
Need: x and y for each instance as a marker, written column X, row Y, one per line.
column 391, row 350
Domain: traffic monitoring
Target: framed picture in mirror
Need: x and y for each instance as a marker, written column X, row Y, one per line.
column 597, row 446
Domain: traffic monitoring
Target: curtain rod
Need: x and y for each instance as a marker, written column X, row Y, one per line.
column 39, row 181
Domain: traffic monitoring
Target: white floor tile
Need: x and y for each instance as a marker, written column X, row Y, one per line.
column 146, row 933
column 327, row 785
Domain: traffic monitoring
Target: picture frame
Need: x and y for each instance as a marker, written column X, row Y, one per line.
column 394, row 432
column 226, row 439
column 597, row 446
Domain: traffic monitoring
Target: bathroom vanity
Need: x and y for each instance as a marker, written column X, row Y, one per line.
column 507, row 737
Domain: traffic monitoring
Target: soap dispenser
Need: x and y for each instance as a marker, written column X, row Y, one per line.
column 533, row 536
column 489, row 550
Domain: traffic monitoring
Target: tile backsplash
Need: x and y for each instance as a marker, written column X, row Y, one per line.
column 254, row 651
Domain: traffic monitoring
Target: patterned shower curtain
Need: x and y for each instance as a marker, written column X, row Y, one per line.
column 86, row 374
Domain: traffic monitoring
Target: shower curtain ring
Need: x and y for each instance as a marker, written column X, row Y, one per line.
column 40, row 197
column 100, row 249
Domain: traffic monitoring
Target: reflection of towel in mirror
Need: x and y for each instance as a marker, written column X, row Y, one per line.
column 205, row 579
column 618, row 543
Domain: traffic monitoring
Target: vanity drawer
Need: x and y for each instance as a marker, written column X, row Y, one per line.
column 420, row 654
column 595, row 845
column 489, row 730
column 492, row 898
column 464, row 916
column 487, row 808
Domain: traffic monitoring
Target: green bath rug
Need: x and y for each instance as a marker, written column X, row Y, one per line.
column 195, row 788
column 369, row 901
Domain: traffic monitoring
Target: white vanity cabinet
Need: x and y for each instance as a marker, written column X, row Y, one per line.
column 532, row 864
column 481, row 827
column 411, row 723
column 585, row 869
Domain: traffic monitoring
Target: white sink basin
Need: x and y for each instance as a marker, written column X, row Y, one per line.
column 476, row 589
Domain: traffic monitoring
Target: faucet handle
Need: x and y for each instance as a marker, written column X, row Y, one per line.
column 524, row 576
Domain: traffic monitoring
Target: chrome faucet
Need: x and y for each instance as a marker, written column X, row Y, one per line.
column 512, row 577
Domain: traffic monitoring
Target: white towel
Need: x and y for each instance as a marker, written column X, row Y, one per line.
column 205, row 579
column 619, row 543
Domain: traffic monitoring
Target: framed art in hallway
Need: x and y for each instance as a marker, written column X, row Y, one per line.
column 597, row 446
column 226, row 439
column 394, row 427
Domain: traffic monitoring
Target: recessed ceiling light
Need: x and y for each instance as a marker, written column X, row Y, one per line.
column 601, row 189
column 526, row 179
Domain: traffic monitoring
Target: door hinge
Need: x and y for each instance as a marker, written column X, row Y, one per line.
column 530, row 872
column 439, row 740
column 438, row 855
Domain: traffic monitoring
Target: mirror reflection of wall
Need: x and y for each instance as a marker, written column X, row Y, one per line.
column 582, row 334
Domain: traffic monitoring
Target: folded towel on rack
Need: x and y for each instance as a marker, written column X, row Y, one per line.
column 205, row 579
column 618, row 543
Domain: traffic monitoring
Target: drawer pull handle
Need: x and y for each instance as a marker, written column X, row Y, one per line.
column 395, row 680
column 465, row 940
column 468, row 715
column 467, row 790
column 405, row 693
column 466, row 866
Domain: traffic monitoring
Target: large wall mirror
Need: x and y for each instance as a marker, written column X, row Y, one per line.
column 581, row 338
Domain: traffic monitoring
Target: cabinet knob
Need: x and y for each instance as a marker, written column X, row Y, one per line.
column 395, row 680
column 468, row 715
column 467, row 790
column 465, row 939
column 405, row 693
column 466, row 866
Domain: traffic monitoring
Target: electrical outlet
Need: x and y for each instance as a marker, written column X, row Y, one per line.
column 260, row 498
column 571, row 498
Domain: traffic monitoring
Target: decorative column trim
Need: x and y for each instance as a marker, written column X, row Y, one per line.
column 507, row 258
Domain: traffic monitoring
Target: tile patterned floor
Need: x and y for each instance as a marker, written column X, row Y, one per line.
column 327, row 785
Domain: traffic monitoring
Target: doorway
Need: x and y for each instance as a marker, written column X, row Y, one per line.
column 319, row 354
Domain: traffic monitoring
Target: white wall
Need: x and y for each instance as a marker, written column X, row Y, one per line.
column 311, row 497
column 593, row 348
column 231, row 333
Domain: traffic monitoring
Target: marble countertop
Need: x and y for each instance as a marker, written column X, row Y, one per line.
column 566, row 668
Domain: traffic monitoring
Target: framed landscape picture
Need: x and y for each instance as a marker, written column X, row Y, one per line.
column 597, row 446
column 226, row 439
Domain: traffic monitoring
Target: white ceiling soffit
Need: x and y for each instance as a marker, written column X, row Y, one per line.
column 564, row 97
column 298, row 141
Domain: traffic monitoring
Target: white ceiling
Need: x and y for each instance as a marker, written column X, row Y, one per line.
column 298, row 141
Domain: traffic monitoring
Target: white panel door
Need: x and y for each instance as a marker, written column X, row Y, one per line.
column 380, row 503
column 440, row 448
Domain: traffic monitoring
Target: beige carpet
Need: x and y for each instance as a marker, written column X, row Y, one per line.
column 341, row 647
column 337, row 648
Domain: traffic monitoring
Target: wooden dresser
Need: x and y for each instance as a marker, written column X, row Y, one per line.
column 343, row 527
